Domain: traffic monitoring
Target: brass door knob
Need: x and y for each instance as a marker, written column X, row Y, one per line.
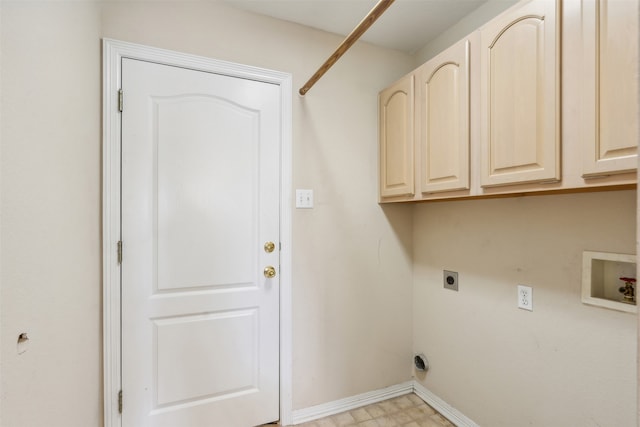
column 269, row 272
column 269, row 247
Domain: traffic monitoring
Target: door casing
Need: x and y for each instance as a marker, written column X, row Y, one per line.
column 113, row 51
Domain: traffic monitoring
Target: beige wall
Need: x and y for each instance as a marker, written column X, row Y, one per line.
column 565, row 363
column 352, row 266
column 462, row 28
column 50, row 173
column 352, row 271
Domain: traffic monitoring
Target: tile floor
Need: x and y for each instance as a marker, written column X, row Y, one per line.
column 404, row 411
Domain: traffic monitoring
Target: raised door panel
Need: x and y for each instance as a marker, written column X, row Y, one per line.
column 610, row 34
column 443, row 91
column 396, row 139
column 520, row 140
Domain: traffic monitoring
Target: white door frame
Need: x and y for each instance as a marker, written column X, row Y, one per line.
column 112, row 53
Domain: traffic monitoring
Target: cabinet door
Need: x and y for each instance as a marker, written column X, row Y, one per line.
column 610, row 35
column 396, row 139
column 443, row 120
column 520, row 95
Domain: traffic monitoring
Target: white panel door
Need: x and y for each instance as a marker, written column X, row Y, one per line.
column 200, row 198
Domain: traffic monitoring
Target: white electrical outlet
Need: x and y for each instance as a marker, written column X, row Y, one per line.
column 525, row 297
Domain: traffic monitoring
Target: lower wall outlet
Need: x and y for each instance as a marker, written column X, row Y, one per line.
column 525, row 297
column 450, row 280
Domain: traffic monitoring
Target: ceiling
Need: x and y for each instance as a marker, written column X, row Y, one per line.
column 407, row 25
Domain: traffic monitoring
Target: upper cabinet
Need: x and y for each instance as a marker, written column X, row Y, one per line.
column 610, row 37
column 442, row 121
column 519, row 106
column 396, row 132
column 520, row 94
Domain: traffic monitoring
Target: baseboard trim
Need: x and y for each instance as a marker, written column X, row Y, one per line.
column 347, row 404
column 449, row 412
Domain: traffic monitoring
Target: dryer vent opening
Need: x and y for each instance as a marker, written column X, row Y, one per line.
column 421, row 362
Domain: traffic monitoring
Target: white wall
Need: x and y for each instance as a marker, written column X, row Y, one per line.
column 352, row 258
column 565, row 363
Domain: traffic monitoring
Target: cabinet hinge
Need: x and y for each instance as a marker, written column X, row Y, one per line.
column 120, row 401
column 120, row 100
column 120, row 252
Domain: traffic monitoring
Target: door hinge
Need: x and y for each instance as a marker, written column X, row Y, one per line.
column 120, row 100
column 120, row 252
column 120, row 401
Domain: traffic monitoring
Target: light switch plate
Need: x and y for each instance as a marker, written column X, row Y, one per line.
column 304, row 199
